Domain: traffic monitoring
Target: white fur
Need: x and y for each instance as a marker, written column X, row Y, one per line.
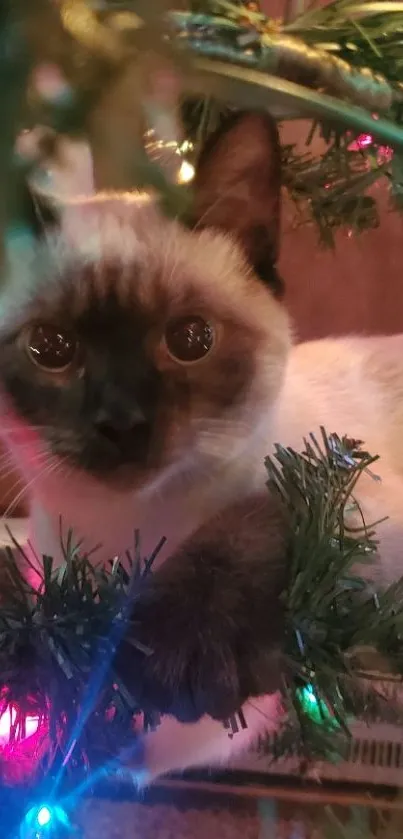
column 176, row 746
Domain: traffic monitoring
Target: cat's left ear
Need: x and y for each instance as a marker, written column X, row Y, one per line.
column 237, row 189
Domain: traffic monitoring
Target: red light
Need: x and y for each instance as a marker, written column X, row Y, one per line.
column 12, row 728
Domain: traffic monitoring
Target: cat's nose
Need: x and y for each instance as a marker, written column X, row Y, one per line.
column 114, row 425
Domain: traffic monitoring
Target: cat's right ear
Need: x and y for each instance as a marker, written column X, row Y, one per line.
column 237, row 189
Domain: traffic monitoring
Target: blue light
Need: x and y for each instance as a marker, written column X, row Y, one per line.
column 44, row 816
column 41, row 821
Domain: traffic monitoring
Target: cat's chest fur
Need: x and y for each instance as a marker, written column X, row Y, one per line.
column 110, row 522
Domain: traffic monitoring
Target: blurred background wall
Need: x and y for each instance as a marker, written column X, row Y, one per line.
column 358, row 286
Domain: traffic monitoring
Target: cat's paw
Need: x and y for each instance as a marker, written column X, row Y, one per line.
column 212, row 619
column 173, row 746
column 192, row 666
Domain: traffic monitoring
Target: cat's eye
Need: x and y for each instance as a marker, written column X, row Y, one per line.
column 49, row 347
column 189, row 338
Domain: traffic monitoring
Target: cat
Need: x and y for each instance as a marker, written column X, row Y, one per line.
column 146, row 369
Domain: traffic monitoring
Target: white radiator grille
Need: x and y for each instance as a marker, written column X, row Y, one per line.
column 375, row 756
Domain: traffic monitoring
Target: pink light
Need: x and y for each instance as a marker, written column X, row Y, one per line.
column 364, row 141
column 9, row 730
column 24, row 740
column 361, row 142
column 384, row 154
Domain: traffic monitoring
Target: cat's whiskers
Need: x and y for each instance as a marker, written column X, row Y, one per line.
column 8, row 465
column 226, row 442
column 240, row 424
column 20, row 495
column 51, row 467
column 170, row 475
column 16, row 429
column 8, row 469
column 222, row 198
column 32, row 455
column 17, row 483
column 218, row 437
column 65, row 469
column 23, row 446
column 7, row 455
column 266, row 716
column 205, row 457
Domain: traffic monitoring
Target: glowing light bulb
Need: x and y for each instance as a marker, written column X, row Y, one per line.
column 310, row 696
column 44, row 821
column 315, row 708
column 186, row 172
column 8, row 722
column 44, row 816
column 364, row 141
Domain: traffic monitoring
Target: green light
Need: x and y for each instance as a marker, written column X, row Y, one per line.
column 313, row 707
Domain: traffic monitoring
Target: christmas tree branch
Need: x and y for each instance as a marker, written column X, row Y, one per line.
column 229, row 54
column 57, row 645
column 286, row 56
column 333, row 613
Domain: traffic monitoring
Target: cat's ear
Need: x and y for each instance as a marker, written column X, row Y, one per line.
column 237, row 189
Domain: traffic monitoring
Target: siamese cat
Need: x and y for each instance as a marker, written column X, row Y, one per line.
column 146, row 370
